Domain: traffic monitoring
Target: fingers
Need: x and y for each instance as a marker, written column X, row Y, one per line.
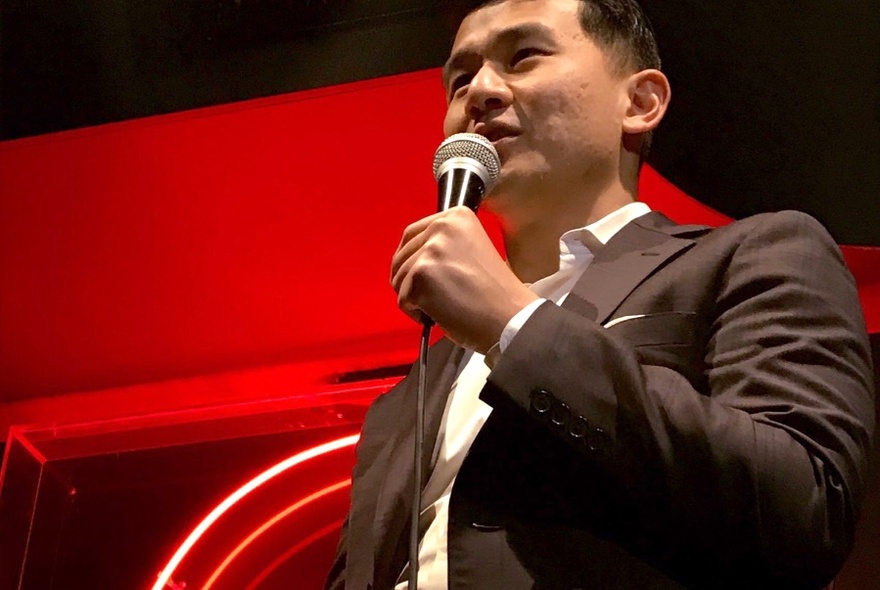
column 402, row 259
column 405, row 300
column 418, row 227
column 425, row 248
column 412, row 269
column 416, row 236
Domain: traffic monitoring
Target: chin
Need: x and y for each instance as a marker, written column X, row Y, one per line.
column 520, row 176
column 490, row 201
column 504, row 196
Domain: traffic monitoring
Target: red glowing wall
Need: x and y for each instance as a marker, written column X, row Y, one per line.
column 226, row 239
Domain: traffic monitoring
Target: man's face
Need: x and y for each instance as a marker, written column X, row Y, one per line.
column 524, row 74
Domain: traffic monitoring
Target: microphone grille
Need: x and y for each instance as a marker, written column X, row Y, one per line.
column 469, row 145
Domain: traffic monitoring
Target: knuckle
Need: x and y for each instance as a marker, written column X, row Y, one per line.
column 442, row 224
column 460, row 214
column 431, row 252
column 419, row 271
column 411, row 230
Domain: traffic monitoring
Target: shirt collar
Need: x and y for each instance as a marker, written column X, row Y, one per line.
column 604, row 229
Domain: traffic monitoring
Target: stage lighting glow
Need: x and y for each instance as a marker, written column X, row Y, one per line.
column 271, row 522
column 239, row 494
column 330, row 528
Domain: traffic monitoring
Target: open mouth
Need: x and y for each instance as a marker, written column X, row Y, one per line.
column 495, row 132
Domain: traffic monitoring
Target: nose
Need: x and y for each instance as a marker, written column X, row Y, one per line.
column 488, row 91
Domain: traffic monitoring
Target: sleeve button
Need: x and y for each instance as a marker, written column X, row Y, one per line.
column 598, row 441
column 560, row 414
column 542, row 401
column 578, row 429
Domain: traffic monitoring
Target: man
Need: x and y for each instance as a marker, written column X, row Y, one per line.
column 629, row 403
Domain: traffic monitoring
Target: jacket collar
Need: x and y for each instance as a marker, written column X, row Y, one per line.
column 632, row 255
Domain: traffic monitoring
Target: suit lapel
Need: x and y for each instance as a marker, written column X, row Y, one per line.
column 633, row 254
column 394, row 500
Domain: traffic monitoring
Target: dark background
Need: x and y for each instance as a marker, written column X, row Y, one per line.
column 776, row 104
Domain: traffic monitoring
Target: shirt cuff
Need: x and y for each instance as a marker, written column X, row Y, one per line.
column 517, row 322
column 511, row 330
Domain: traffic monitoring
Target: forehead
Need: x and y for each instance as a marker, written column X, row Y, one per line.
column 484, row 24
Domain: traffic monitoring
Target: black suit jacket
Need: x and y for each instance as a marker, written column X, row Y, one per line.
column 714, row 436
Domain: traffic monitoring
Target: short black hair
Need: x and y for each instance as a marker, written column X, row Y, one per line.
column 624, row 28
column 619, row 27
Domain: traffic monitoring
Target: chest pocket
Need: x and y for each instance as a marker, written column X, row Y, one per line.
column 672, row 339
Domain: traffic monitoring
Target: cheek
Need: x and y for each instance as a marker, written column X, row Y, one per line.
column 583, row 113
column 452, row 122
column 565, row 116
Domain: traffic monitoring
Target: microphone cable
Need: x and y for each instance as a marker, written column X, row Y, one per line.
column 418, row 446
column 466, row 166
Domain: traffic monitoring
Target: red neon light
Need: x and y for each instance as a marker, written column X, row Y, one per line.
column 239, row 494
column 270, row 523
column 295, row 549
column 22, row 439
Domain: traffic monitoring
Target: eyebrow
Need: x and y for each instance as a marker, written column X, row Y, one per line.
column 507, row 36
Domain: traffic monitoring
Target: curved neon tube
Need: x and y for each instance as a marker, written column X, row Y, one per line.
column 330, row 528
column 240, row 493
column 270, row 523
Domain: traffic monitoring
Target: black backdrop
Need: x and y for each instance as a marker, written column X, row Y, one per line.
column 776, row 104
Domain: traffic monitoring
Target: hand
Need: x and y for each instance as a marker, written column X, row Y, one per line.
column 447, row 268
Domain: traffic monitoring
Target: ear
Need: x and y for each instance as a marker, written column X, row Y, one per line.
column 649, row 94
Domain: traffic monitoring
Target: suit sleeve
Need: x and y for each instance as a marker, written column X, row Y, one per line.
column 759, row 476
column 336, row 576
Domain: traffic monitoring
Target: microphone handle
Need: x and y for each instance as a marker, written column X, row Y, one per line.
column 460, row 186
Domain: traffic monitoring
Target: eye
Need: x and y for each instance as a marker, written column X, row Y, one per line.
column 459, row 82
column 525, row 53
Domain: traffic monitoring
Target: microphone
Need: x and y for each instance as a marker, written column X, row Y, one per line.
column 466, row 167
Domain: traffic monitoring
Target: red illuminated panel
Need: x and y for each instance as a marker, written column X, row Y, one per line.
column 865, row 266
column 662, row 195
column 228, row 239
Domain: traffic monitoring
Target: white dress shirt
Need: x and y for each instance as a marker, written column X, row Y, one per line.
column 465, row 413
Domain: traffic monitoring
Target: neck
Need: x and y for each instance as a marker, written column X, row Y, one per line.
column 531, row 238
